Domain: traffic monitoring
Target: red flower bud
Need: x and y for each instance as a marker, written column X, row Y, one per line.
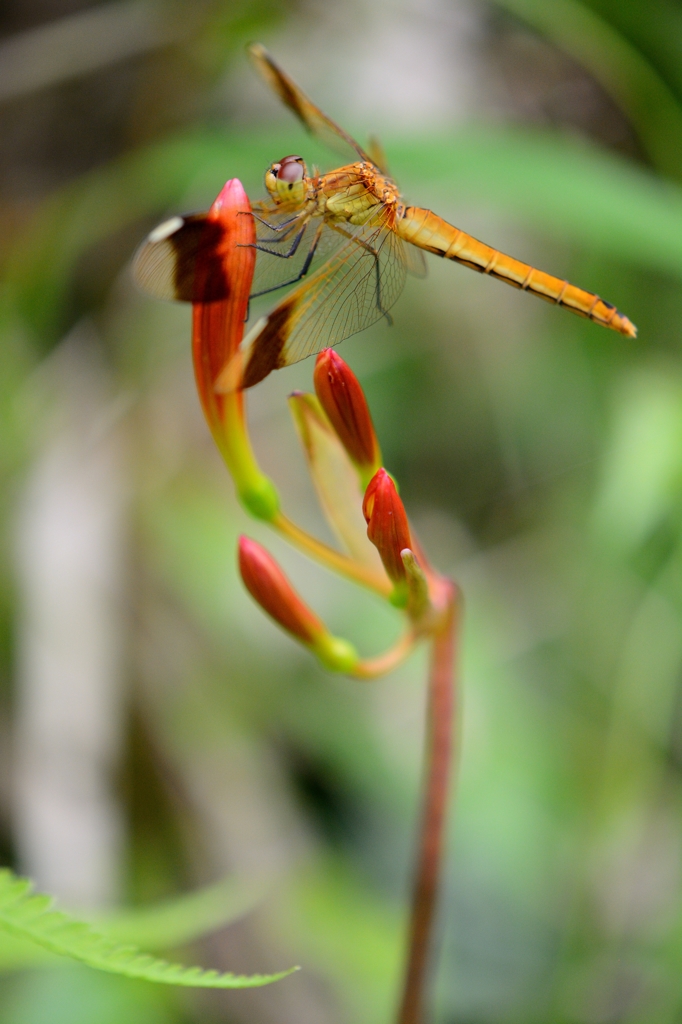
column 218, row 327
column 268, row 585
column 387, row 525
column 344, row 402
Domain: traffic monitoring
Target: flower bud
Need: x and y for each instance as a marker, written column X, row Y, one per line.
column 218, row 330
column 344, row 402
column 387, row 525
column 271, row 589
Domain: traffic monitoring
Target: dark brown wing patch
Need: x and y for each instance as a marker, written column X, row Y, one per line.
column 180, row 260
column 266, row 354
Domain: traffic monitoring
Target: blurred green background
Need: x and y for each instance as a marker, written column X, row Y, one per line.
column 156, row 732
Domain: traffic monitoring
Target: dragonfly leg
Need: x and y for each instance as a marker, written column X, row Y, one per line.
column 273, row 252
column 377, row 269
column 276, row 241
column 276, row 227
column 286, row 226
column 279, row 241
column 304, row 269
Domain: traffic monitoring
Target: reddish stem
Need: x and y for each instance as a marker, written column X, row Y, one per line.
column 438, row 754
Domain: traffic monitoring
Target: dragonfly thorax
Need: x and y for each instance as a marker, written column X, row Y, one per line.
column 285, row 180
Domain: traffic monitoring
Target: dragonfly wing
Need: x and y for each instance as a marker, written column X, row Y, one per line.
column 353, row 289
column 165, row 265
column 295, row 99
column 377, row 154
column 416, row 261
column 284, row 247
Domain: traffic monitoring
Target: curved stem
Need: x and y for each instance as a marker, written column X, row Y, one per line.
column 372, row 668
column 334, row 560
column 439, row 744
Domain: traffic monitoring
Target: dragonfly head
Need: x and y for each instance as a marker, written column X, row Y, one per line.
column 285, row 180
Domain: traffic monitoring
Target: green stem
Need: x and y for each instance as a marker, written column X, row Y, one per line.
column 256, row 491
column 333, row 560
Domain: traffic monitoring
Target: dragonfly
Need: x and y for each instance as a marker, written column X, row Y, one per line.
column 346, row 239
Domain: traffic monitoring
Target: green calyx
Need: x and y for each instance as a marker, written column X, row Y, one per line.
column 399, row 596
column 335, row 653
column 260, row 497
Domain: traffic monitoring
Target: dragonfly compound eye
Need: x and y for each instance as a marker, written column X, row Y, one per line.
column 291, row 170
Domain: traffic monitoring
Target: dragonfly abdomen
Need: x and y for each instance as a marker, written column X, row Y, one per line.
column 429, row 231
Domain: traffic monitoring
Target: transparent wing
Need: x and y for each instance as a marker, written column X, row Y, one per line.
column 356, row 287
column 285, row 245
column 415, row 260
column 295, row 99
column 353, row 290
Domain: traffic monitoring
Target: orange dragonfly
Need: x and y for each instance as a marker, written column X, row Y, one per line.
column 341, row 236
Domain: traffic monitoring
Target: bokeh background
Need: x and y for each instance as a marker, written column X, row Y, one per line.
column 157, row 733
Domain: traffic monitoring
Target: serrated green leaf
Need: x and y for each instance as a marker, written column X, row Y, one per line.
column 163, row 925
column 29, row 916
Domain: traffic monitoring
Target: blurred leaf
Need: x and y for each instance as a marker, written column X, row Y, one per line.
column 80, row 43
column 655, row 29
column 643, row 466
column 619, row 68
column 179, row 921
column 29, row 916
column 565, row 188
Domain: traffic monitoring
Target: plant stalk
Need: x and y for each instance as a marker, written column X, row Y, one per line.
column 373, row 668
column 440, row 724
